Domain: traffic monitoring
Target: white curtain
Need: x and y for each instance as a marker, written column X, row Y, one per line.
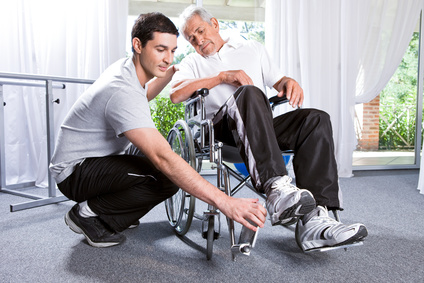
column 341, row 52
column 77, row 39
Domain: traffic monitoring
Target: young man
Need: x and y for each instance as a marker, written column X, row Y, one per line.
column 114, row 190
column 236, row 72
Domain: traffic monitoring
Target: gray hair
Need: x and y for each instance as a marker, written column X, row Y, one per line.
column 191, row 11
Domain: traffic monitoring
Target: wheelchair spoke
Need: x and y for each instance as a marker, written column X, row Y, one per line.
column 180, row 207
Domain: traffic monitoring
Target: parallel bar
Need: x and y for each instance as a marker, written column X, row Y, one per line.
column 36, row 203
column 44, row 78
column 21, row 194
column 48, row 84
column 60, row 86
column 50, row 135
column 21, row 185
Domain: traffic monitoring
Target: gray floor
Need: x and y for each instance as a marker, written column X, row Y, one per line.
column 38, row 247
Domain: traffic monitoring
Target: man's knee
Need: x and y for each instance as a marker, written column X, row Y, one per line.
column 320, row 121
column 250, row 92
column 317, row 115
column 168, row 188
column 324, row 117
column 252, row 98
column 171, row 190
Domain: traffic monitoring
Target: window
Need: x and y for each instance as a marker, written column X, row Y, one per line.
column 386, row 127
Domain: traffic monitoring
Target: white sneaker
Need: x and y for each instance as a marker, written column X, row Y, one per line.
column 317, row 230
column 286, row 202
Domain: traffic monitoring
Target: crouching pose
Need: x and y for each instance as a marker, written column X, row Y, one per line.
column 114, row 190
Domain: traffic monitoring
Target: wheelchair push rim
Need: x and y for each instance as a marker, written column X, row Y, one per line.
column 180, row 207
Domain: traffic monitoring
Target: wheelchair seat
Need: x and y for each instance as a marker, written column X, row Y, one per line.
column 231, row 154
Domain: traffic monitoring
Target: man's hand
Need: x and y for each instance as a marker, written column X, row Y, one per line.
column 236, row 78
column 292, row 89
column 241, row 210
column 183, row 89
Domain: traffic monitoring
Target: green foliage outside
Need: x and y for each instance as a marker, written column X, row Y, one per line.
column 164, row 112
column 248, row 30
column 398, row 103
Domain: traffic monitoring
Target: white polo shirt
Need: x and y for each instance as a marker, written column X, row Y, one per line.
column 236, row 54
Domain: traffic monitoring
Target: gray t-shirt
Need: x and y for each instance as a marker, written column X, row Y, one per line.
column 94, row 126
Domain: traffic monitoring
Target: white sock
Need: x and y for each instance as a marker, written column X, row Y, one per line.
column 85, row 211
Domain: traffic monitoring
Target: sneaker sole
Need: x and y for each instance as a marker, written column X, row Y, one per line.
column 135, row 225
column 75, row 228
column 305, row 205
column 358, row 237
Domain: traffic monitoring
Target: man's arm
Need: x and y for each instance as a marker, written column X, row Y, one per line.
column 183, row 89
column 151, row 143
column 156, row 84
column 292, row 90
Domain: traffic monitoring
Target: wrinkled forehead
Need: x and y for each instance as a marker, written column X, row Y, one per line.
column 193, row 25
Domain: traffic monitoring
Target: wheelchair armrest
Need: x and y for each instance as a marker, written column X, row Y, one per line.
column 203, row 92
column 276, row 100
column 194, row 105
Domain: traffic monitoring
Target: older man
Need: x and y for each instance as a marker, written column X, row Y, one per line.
column 237, row 72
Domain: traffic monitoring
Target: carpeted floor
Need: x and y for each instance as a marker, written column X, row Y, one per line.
column 38, row 247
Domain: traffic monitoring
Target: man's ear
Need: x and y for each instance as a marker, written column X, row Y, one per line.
column 215, row 23
column 136, row 45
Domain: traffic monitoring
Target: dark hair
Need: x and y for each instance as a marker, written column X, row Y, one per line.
column 147, row 24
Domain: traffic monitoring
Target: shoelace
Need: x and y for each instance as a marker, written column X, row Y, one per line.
column 323, row 217
column 284, row 185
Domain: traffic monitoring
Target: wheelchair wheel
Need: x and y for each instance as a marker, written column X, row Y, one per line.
column 210, row 237
column 180, row 207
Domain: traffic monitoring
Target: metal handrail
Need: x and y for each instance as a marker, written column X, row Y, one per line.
column 22, row 76
column 61, row 86
column 16, row 79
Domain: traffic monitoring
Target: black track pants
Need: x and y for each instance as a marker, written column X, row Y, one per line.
column 120, row 189
column 246, row 121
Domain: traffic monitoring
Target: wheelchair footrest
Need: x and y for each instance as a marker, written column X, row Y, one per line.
column 246, row 243
column 345, row 247
column 241, row 249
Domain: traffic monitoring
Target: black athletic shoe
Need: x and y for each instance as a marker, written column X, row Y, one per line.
column 96, row 233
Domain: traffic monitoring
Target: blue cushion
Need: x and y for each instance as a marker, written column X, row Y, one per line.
column 241, row 168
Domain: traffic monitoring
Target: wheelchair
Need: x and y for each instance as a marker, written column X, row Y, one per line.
column 193, row 139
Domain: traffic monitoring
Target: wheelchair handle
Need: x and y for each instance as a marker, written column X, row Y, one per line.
column 202, row 92
column 276, row 100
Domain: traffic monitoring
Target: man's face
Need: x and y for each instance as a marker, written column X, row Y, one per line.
column 202, row 36
column 158, row 54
